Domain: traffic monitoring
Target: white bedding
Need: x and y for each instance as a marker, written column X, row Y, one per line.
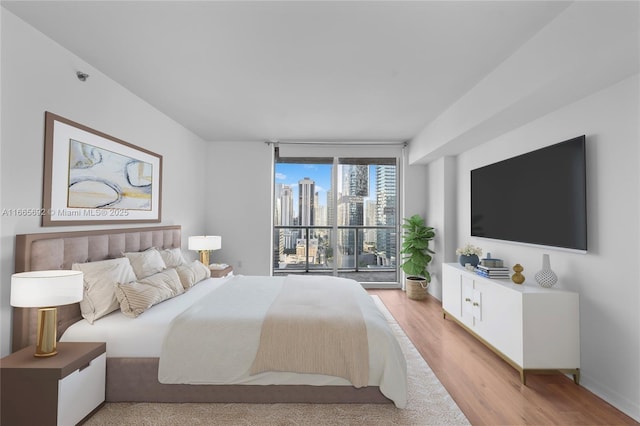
column 143, row 337
column 139, row 337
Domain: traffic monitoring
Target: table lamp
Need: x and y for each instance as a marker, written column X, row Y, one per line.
column 46, row 290
column 204, row 244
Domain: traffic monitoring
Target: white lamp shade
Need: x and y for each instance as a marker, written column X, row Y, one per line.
column 205, row 242
column 38, row 289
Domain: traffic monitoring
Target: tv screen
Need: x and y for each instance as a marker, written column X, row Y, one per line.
column 538, row 198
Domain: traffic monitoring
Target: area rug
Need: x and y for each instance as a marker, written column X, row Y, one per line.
column 428, row 403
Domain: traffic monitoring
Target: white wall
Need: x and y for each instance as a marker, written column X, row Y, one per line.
column 37, row 75
column 441, row 202
column 589, row 46
column 607, row 277
column 414, row 201
column 238, row 198
column 414, row 197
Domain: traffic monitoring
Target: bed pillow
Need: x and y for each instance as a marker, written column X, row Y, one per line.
column 138, row 296
column 172, row 257
column 192, row 273
column 146, row 263
column 100, row 278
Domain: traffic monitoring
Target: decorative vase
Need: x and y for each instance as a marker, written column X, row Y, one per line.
column 518, row 278
column 546, row 277
column 472, row 259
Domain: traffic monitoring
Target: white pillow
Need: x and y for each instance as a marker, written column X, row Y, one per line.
column 138, row 296
column 146, row 263
column 192, row 273
column 100, row 279
column 172, row 257
column 168, row 278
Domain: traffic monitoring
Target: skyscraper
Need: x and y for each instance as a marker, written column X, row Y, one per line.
column 355, row 186
column 306, row 201
column 286, row 206
column 320, row 215
column 386, row 206
column 286, row 218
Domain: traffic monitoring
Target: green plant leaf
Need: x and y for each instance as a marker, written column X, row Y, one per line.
column 415, row 246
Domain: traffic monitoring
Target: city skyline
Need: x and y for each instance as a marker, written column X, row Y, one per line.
column 365, row 196
column 291, row 174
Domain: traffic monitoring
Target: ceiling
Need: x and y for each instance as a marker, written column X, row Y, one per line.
column 293, row 70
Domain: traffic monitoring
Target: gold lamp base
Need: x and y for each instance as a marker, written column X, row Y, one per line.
column 46, row 338
column 204, row 257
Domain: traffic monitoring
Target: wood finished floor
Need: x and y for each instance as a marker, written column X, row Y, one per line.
column 484, row 386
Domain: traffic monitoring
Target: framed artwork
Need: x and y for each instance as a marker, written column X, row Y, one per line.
column 92, row 178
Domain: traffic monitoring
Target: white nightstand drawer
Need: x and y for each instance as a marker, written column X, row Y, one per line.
column 81, row 391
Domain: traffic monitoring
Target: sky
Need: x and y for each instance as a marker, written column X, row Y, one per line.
column 290, row 174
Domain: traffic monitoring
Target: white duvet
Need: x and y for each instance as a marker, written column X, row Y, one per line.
column 139, row 337
column 233, row 309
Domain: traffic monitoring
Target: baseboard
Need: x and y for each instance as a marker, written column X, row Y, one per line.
column 620, row 402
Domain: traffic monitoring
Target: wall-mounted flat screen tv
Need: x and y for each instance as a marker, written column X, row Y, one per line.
column 538, row 198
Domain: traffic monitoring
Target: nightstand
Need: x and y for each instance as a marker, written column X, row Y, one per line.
column 63, row 389
column 219, row 273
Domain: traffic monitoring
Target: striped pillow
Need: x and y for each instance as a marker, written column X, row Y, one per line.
column 138, row 296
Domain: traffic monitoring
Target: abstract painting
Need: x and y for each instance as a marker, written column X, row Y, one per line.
column 91, row 177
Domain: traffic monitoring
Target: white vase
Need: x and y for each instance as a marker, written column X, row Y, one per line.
column 546, row 277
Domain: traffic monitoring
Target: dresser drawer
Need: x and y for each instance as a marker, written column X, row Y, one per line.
column 81, row 391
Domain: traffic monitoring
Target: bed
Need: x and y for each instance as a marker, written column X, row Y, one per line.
column 133, row 370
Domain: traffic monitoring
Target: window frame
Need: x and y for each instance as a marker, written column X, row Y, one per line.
column 396, row 159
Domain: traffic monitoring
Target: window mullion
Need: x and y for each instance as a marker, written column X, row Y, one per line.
column 334, row 225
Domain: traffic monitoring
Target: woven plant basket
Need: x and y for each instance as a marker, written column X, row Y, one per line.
column 416, row 288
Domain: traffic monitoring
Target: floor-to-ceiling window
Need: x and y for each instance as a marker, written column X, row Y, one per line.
column 336, row 216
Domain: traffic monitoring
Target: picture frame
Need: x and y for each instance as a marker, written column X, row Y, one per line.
column 93, row 178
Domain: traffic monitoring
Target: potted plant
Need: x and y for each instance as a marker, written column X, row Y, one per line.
column 417, row 255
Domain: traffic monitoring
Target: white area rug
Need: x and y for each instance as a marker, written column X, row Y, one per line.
column 429, row 403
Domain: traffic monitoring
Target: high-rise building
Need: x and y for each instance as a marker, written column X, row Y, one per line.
column 355, row 187
column 331, row 207
column 306, row 201
column 355, row 180
column 386, row 207
column 289, row 236
column 286, row 206
column 277, row 207
column 320, row 215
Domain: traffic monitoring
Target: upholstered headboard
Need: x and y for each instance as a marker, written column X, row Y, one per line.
column 59, row 250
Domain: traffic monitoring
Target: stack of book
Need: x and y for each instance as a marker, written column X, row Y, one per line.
column 492, row 271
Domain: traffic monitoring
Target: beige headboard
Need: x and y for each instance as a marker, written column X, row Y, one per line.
column 59, row 250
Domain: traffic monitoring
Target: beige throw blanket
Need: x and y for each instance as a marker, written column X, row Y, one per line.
column 315, row 326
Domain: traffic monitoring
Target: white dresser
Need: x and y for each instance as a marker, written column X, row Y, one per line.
column 534, row 329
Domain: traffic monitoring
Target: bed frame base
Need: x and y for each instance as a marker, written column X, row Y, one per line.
column 136, row 380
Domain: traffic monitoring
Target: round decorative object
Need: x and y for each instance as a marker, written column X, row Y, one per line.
column 518, row 278
column 546, row 277
column 472, row 259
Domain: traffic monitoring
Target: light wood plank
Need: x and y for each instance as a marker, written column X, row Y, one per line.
column 484, row 386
